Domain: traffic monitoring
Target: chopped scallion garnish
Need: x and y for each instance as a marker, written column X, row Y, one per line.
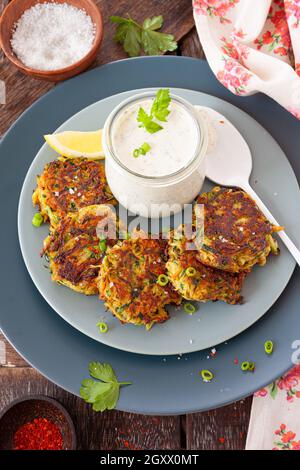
column 162, row 280
column 37, row 220
column 190, row 271
column 103, row 328
column 269, row 346
column 206, row 375
column 189, row 308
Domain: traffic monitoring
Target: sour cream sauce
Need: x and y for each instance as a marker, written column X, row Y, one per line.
column 171, row 173
column 171, row 148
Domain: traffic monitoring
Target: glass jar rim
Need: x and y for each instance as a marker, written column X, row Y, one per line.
column 200, row 126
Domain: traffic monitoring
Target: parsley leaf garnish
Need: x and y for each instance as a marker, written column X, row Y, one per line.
column 159, row 110
column 103, row 395
column 160, row 105
column 135, row 36
column 146, row 121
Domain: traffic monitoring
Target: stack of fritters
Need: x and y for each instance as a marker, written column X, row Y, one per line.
column 236, row 236
column 71, row 196
column 129, row 281
column 86, row 254
column 66, row 186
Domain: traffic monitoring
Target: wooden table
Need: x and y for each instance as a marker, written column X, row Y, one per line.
column 225, row 428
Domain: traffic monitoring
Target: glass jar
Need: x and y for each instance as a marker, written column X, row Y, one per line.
column 155, row 196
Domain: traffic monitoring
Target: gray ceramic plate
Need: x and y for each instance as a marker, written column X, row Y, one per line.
column 214, row 322
column 60, row 352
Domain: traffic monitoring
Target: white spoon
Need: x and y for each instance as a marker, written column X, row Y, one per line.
column 229, row 163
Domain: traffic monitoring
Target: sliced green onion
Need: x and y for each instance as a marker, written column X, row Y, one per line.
column 269, row 346
column 190, row 271
column 206, row 375
column 142, row 150
column 162, row 280
column 102, row 244
column 251, row 366
column 37, row 220
column 103, row 328
column 245, row 366
column 189, row 308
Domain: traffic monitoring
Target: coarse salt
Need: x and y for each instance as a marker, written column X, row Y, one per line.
column 51, row 36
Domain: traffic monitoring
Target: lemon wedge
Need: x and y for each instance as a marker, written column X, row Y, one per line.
column 75, row 144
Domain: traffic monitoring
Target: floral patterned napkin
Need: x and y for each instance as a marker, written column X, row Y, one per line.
column 253, row 45
column 275, row 415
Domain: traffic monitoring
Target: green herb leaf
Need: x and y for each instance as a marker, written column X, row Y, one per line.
column 102, row 372
column 153, row 23
column 161, row 103
column 103, row 395
column 159, row 110
column 91, row 390
column 154, row 42
column 129, row 34
column 107, row 400
column 146, row 121
column 135, row 36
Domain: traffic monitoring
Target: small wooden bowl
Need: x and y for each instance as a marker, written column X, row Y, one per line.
column 23, row 411
column 14, row 11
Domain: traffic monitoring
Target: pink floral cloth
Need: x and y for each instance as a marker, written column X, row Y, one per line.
column 275, row 415
column 253, row 45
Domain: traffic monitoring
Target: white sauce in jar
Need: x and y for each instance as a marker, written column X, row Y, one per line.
column 168, row 176
column 172, row 147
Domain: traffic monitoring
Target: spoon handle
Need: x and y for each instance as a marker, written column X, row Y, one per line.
column 295, row 252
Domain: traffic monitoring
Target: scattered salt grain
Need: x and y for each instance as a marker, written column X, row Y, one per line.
column 51, row 36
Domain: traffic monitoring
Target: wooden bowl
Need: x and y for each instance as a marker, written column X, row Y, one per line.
column 25, row 410
column 14, row 11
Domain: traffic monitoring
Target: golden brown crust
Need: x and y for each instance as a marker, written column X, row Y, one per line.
column 65, row 186
column 128, row 282
column 206, row 283
column 236, row 233
column 73, row 247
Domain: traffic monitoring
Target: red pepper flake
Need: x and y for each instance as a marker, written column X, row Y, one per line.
column 39, row 434
column 222, row 122
column 221, row 440
column 236, row 361
column 213, row 352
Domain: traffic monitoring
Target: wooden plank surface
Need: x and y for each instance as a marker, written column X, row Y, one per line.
column 221, row 429
column 108, row 430
column 224, row 428
column 22, row 91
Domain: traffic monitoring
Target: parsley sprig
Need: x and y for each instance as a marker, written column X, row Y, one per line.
column 159, row 110
column 103, row 395
column 135, row 36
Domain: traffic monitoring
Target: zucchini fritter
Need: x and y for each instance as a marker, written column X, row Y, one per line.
column 195, row 281
column 128, row 281
column 236, row 233
column 74, row 248
column 65, row 186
